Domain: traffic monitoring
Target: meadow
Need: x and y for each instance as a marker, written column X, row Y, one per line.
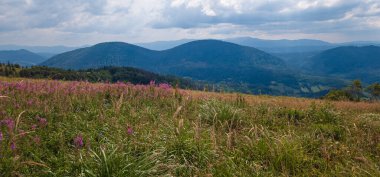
column 57, row 128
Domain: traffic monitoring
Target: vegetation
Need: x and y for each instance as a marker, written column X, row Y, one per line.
column 355, row 92
column 104, row 74
column 60, row 128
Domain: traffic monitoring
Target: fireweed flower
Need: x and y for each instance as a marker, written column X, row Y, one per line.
column 34, row 127
column 78, row 141
column 42, row 122
column 130, row 130
column 37, row 140
column 9, row 123
column 13, row 146
column 22, row 133
column 164, row 86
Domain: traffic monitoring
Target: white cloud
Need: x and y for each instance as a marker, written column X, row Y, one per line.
column 91, row 21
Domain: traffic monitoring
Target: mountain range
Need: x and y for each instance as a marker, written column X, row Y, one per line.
column 243, row 68
column 278, row 67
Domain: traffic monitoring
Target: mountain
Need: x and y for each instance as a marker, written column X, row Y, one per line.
column 164, row 45
column 284, row 45
column 226, row 64
column 39, row 49
column 104, row 54
column 348, row 62
column 22, row 57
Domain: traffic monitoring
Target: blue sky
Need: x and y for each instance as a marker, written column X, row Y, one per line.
column 80, row 22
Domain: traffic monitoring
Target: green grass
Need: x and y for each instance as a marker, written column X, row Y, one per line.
column 132, row 130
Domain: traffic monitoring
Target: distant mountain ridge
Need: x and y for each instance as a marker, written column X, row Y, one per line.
column 246, row 68
column 348, row 62
column 22, row 57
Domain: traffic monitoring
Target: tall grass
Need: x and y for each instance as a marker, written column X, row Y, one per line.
column 53, row 128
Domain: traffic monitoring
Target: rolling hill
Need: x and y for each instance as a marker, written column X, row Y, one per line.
column 348, row 62
column 229, row 65
column 22, row 57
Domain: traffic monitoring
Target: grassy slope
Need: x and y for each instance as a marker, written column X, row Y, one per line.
column 132, row 130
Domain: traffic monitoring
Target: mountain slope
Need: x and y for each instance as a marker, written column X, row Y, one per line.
column 284, row 45
column 22, row 57
column 348, row 62
column 103, row 54
column 164, row 45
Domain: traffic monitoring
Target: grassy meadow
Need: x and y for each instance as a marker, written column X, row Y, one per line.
column 56, row 128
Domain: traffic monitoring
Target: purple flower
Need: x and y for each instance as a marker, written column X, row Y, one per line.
column 37, row 140
column 42, row 122
column 152, row 83
column 1, row 136
column 30, row 102
column 164, row 86
column 78, row 141
column 9, row 123
column 34, row 127
column 130, row 130
column 13, row 146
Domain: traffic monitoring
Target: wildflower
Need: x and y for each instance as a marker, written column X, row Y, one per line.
column 9, row 123
column 78, row 141
column 130, row 130
column 34, row 127
column 22, row 133
column 1, row 136
column 30, row 102
column 164, row 86
column 13, row 146
column 42, row 121
column 152, row 83
column 37, row 140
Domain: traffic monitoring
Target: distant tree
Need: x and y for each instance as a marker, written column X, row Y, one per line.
column 357, row 86
column 355, row 90
column 374, row 89
column 338, row 95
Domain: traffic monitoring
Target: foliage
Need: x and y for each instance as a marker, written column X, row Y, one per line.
column 339, row 95
column 105, row 74
column 354, row 92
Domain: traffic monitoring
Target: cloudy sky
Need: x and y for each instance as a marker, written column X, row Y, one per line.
column 80, row 22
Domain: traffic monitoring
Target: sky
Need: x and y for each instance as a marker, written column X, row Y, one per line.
column 84, row 22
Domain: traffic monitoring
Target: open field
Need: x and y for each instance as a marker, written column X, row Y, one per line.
column 55, row 128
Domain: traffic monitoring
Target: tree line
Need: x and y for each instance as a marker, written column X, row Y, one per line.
column 355, row 92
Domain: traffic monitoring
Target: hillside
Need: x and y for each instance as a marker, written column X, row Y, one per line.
column 348, row 62
column 58, row 128
column 104, row 74
column 103, row 54
column 22, row 57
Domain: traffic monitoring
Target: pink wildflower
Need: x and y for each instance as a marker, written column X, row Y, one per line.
column 1, row 136
column 13, row 146
column 130, row 130
column 9, row 123
column 78, row 141
column 164, row 86
column 22, row 133
column 42, row 122
column 37, row 140
column 34, row 127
